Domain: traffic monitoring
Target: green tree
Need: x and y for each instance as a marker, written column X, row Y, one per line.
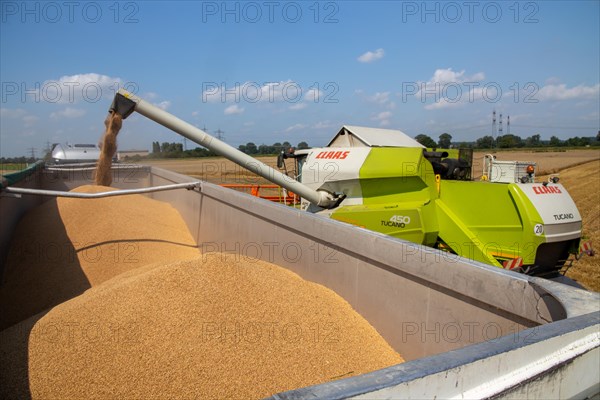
column 445, row 141
column 486, row 142
column 302, row 145
column 425, row 140
column 555, row 142
column 266, row 149
column 533, row 141
column 286, row 146
column 574, row 141
column 251, row 148
column 509, row 141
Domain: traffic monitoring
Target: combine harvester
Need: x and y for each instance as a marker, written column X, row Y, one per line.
column 393, row 185
column 466, row 329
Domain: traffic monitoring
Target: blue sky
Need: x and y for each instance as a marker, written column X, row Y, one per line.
column 274, row 71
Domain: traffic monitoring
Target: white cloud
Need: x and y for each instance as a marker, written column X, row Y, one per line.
column 442, row 103
column 298, row 106
column 380, row 97
column 383, row 99
column 313, row 95
column 295, row 127
column 449, row 76
column 561, row 92
column 383, row 118
column 233, row 109
column 254, row 92
column 164, row 105
column 323, row 125
column 371, row 56
column 69, row 89
column 447, row 88
column 68, row 113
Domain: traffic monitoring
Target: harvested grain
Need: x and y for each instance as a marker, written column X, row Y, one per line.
column 65, row 246
column 212, row 327
column 103, row 174
column 204, row 327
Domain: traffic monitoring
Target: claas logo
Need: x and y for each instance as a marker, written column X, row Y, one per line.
column 546, row 190
column 333, row 155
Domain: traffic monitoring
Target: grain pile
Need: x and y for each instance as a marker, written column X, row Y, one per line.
column 103, row 174
column 204, row 327
column 65, row 246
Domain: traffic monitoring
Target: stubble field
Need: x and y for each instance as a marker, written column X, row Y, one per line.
column 578, row 171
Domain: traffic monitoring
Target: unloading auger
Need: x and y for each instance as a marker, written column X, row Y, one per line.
column 125, row 103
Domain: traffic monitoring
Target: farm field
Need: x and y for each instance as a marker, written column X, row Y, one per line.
column 11, row 167
column 578, row 173
column 222, row 171
column 583, row 184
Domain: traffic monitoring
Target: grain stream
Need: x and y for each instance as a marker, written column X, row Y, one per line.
column 103, row 173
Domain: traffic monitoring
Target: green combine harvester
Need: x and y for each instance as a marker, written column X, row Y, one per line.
column 395, row 186
column 385, row 181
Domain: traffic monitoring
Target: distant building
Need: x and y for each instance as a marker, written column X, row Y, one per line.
column 123, row 155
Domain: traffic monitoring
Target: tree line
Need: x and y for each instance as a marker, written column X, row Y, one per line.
column 175, row 150
column 507, row 142
column 17, row 160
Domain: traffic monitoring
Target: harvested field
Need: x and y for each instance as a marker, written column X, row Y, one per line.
column 583, row 184
column 548, row 162
column 217, row 170
column 207, row 327
column 222, row 171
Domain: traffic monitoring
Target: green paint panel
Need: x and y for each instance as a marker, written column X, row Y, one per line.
column 481, row 220
column 396, row 183
column 386, row 162
column 403, row 222
column 392, row 174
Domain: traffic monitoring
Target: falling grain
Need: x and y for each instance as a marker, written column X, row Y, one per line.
column 103, row 173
